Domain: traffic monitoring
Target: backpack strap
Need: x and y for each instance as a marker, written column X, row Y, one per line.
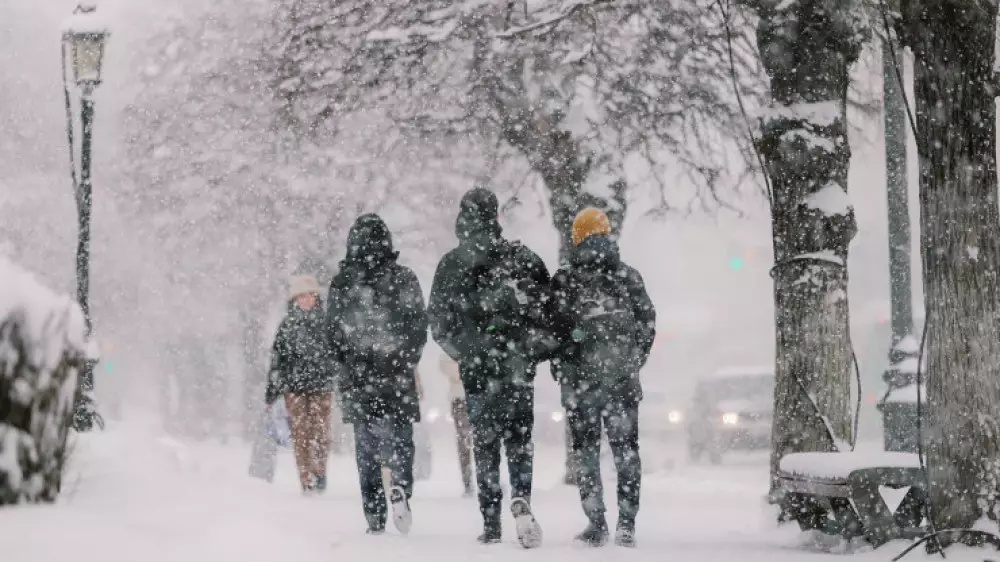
column 515, row 247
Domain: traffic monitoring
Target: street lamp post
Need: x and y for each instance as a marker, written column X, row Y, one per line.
column 898, row 407
column 83, row 41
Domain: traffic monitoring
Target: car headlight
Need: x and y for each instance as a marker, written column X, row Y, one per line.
column 433, row 414
column 675, row 417
column 730, row 418
column 558, row 416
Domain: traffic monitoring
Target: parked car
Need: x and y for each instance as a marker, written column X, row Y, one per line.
column 732, row 410
column 660, row 418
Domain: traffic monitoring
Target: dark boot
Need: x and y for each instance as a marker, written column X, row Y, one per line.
column 596, row 533
column 491, row 532
column 625, row 535
column 376, row 525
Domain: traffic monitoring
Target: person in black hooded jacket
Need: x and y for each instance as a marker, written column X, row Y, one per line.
column 489, row 313
column 379, row 327
column 606, row 323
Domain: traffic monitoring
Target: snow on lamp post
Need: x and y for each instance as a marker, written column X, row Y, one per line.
column 83, row 39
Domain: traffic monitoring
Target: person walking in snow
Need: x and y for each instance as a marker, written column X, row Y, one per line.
column 379, row 327
column 488, row 313
column 606, row 324
column 460, row 415
column 304, row 370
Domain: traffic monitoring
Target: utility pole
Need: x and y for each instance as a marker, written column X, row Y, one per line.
column 898, row 407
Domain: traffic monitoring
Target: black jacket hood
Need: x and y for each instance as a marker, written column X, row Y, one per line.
column 477, row 216
column 369, row 242
column 596, row 251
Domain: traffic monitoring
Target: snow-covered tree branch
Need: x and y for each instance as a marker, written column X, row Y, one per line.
column 581, row 90
column 240, row 189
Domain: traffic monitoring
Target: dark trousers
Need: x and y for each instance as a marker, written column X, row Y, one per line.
column 502, row 419
column 379, row 442
column 463, row 438
column 622, row 425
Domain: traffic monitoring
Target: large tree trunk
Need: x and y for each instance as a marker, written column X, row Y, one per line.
column 808, row 47
column 564, row 166
column 537, row 132
column 953, row 44
column 564, row 170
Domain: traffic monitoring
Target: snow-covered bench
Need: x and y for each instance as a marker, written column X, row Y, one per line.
column 839, row 494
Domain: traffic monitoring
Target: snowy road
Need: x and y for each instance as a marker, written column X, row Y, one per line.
column 136, row 496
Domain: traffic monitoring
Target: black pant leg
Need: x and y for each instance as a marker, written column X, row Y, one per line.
column 486, row 443
column 403, row 451
column 568, row 445
column 518, row 424
column 463, row 438
column 367, row 447
column 585, row 427
column 622, row 424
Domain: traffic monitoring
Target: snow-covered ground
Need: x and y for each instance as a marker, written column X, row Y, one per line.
column 134, row 494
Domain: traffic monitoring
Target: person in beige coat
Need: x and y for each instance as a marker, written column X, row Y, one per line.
column 460, row 414
column 304, row 370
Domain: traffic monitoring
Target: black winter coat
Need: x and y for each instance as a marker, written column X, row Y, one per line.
column 599, row 255
column 489, row 304
column 302, row 358
column 378, row 325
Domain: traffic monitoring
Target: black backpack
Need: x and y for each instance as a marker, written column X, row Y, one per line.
column 498, row 297
column 369, row 315
column 603, row 328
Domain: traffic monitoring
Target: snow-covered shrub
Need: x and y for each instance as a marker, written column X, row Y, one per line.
column 42, row 337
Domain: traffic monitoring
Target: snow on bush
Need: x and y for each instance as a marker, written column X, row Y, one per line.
column 42, row 345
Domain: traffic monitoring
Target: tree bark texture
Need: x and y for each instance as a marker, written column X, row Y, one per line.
column 807, row 48
column 953, row 42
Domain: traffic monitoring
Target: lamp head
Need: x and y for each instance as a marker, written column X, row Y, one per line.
column 84, row 37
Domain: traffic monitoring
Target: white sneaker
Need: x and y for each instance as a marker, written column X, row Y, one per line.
column 529, row 532
column 402, row 517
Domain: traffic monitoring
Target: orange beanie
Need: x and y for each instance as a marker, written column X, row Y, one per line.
column 589, row 222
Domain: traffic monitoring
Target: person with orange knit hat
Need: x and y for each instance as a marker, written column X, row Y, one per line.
column 606, row 324
column 590, row 222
